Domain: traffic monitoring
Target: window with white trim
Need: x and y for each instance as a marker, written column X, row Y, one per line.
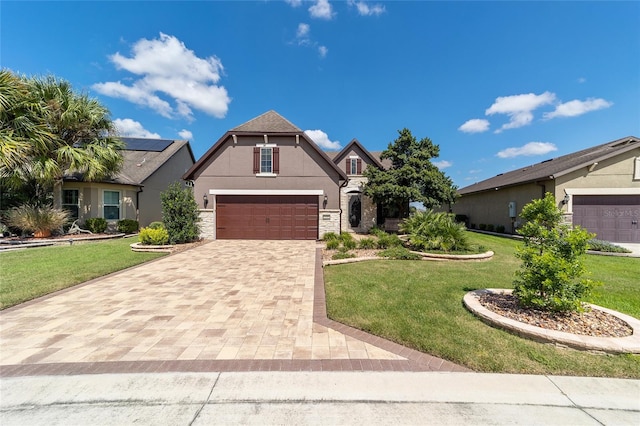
column 111, row 205
column 354, row 166
column 636, row 171
column 266, row 160
column 70, row 202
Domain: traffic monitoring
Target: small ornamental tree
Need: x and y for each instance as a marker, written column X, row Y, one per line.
column 549, row 277
column 180, row 214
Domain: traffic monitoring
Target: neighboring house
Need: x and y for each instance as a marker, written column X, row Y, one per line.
column 150, row 165
column 597, row 188
column 358, row 212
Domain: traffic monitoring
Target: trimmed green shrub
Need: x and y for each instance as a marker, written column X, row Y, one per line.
column 330, row 236
column 399, row 253
column 333, row 244
column 388, row 240
column 156, row 225
column 490, row 227
column 549, row 276
column 128, row 226
column 605, row 246
column 97, row 225
column 342, row 254
column 473, row 226
column 500, row 229
column 367, row 243
column 32, row 218
column 482, row 227
column 180, row 214
column 155, row 237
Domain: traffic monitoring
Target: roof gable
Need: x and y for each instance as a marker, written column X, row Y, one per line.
column 555, row 167
column 269, row 122
column 356, row 145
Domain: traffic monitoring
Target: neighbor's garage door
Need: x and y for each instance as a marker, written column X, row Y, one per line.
column 610, row 217
column 270, row 217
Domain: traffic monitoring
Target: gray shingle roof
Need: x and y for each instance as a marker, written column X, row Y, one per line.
column 555, row 167
column 269, row 122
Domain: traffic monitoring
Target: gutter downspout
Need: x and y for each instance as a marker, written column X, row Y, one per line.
column 138, row 204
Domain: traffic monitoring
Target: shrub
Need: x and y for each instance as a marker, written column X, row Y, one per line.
column 490, row 227
column 180, row 214
column 333, row 244
column 155, row 237
column 37, row 219
column 377, row 231
column 97, row 225
column 435, row 231
column 156, row 225
column 128, row 226
column 473, row 226
column 399, row 253
column 388, row 240
column 500, row 229
column 605, row 246
column 551, row 265
column 342, row 254
column 330, row 236
column 367, row 243
column 348, row 242
column 482, row 227
column 462, row 218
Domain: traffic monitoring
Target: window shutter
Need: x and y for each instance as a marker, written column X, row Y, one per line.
column 348, row 166
column 256, row 159
column 359, row 166
column 276, row 160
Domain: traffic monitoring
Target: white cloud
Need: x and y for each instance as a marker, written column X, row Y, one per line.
column 133, row 129
column 303, row 31
column 322, row 50
column 475, row 125
column 442, row 164
column 519, row 108
column 168, row 68
column 322, row 139
column 322, row 10
column 576, row 107
column 185, row 134
column 364, row 9
column 294, row 3
column 532, row 148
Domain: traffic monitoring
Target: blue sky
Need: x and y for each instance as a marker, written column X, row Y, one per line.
column 497, row 85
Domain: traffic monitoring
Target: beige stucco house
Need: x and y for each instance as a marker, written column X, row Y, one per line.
column 266, row 179
column 597, row 188
column 150, row 165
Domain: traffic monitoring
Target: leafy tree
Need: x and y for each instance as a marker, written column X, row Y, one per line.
column 180, row 214
column 411, row 178
column 47, row 130
column 551, row 260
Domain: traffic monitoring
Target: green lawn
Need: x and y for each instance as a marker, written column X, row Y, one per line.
column 30, row 273
column 419, row 304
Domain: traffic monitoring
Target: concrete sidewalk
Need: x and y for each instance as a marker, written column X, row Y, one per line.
column 318, row 398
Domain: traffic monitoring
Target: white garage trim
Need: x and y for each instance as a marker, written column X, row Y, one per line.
column 266, row 192
column 598, row 191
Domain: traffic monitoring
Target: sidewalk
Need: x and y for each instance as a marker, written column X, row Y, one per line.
column 374, row 398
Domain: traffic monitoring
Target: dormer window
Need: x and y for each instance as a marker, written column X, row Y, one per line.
column 266, row 160
column 354, row 166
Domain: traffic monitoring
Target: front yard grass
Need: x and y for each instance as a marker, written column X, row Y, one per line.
column 419, row 304
column 30, row 273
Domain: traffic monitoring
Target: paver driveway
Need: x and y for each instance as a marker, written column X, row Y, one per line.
column 224, row 300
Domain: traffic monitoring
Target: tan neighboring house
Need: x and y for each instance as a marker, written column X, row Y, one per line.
column 597, row 188
column 358, row 212
column 150, row 165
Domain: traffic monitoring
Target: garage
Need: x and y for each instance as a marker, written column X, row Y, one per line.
column 267, row 217
column 611, row 217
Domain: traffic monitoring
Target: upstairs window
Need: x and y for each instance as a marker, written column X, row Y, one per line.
column 266, row 160
column 354, row 166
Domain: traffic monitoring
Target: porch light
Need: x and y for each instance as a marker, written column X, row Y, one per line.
column 566, row 199
column 205, row 200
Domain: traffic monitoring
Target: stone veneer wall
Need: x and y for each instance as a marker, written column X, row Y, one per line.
column 207, row 224
column 328, row 221
column 369, row 210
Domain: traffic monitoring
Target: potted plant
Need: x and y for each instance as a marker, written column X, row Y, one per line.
column 40, row 220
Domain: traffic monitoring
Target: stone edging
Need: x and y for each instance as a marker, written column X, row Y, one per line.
column 425, row 256
column 150, row 248
column 613, row 345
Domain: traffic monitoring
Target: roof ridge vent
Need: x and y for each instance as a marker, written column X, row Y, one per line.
column 546, row 161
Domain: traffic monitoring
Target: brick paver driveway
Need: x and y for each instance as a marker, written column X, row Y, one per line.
column 223, row 305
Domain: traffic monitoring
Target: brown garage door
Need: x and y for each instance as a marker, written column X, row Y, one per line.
column 267, row 217
column 610, row 217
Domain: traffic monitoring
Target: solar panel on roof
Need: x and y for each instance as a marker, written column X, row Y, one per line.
column 140, row 144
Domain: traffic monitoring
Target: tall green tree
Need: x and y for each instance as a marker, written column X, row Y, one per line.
column 48, row 130
column 412, row 176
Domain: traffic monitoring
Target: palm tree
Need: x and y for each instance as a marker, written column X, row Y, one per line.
column 48, row 130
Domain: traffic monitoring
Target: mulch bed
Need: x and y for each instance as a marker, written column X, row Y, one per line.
column 592, row 322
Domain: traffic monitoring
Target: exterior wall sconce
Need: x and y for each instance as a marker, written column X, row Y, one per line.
column 324, row 204
column 566, row 199
column 205, row 200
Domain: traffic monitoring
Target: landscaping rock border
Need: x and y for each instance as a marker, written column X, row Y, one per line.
column 139, row 247
column 613, row 345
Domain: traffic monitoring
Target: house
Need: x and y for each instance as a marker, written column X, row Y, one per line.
column 597, row 188
column 266, row 179
column 150, row 165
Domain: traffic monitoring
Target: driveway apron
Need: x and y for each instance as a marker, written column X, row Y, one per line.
column 222, row 300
